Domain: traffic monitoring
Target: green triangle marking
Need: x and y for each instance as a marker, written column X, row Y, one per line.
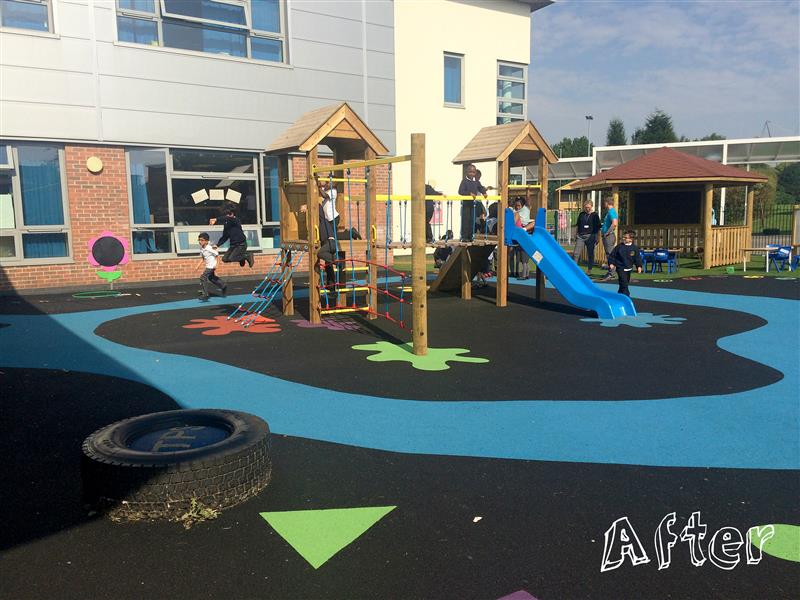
column 319, row 534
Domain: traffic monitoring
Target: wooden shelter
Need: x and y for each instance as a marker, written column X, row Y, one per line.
column 667, row 182
column 511, row 145
column 339, row 128
column 568, row 198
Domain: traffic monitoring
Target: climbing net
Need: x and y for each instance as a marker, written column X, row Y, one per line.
column 339, row 293
column 268, row 289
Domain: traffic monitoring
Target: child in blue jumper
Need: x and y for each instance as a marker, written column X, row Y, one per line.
column 622, row 260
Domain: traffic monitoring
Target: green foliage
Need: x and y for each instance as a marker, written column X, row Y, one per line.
column 789, row 183
column 616, row 136
column 657, row 130
column 711, row 137
column 570, row 147
column 764, row 193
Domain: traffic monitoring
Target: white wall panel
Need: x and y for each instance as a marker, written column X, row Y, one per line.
column 53, row 87
column 380, row 37
column 26, row 120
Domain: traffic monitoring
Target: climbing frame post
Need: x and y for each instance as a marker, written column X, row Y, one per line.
column 312, row 224
column 502, row 250
column 419, row 282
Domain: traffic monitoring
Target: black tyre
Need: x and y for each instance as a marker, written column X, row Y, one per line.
column 163, row 464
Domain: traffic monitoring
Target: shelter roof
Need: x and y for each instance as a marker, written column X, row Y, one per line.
column 667, row 165
column 520, row 140
column 329, row 123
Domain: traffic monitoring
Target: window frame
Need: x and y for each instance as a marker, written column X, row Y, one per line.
column 178, row 251
column 263, row 205
column 240, row 3
column 51, row 28
column 462, row 59
column 505, row 116
column 20, row 228
column 160, row 13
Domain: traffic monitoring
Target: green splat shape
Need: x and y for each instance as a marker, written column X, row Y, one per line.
column 109, row 275
column 435, row 360
column 319, row 534
column 785, row 544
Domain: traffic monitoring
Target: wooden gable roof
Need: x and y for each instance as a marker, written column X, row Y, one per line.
column 667, row 165
column 333, row 122
column 498, row 142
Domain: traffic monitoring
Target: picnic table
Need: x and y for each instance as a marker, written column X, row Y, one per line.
column 764, row 250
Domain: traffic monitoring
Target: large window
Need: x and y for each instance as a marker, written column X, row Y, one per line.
column 245, row 28
column 35, row 15
column 174, row 193
column 33, row 204
column 512, row 84
column 453, row 79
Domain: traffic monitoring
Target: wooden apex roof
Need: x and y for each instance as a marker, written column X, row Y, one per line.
column 667, row 165
column 335, row 121
column 497, row 142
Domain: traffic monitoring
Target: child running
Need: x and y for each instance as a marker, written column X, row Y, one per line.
column 622, row 259
column 209, row 262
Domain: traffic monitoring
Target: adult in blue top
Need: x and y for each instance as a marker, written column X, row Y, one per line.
column 608, row 232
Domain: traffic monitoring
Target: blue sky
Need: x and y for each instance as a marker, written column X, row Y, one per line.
column 725, row 66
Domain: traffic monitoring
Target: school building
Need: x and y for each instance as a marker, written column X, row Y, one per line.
column 142, row 117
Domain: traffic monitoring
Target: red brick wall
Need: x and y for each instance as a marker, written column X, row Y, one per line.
column 99, row 202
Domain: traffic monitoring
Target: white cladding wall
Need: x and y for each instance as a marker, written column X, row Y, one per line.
column 484, row 32
column 80, row 84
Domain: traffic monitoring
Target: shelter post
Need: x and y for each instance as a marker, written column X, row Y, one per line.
column 419, row 282
column 502, row 250
column 312, row 226
column 708, row 243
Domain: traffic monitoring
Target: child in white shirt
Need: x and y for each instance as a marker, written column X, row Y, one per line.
column 209, row 262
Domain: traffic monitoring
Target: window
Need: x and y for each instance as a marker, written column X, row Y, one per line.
column 512, row 83
column 271, row 211
column 174, row 193
column 36, row 15
column 33, row 208
column 244, row 28
column 453, row 79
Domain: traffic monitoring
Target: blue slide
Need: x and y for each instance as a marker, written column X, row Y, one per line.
column 567, row 277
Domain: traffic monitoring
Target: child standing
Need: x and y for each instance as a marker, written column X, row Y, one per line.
column 209, row 262
column 622, row 259
column 470, row 186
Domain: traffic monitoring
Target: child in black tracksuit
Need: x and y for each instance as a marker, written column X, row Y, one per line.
column 232, row 231
column 623, row 258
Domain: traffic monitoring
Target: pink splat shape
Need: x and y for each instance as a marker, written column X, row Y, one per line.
column 221, row 325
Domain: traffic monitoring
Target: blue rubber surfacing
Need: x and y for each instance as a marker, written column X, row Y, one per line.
column 753, row 429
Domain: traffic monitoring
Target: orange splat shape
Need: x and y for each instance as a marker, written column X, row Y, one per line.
column 222, row 326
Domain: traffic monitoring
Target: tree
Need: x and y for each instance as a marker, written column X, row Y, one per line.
column 615, row 136
column 657, row 130
column 789, row 183
column 711, row 137
column 569, row 147
column 764, row 194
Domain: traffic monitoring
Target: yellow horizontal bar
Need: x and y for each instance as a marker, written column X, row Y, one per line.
column 408, row 288
column 333, row 311
column 346, row 290
column 361, row 163
column 532, row 186
column 401, row 198
column 335, row 179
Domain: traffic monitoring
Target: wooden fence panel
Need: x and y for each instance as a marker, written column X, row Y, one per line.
column 727, row 243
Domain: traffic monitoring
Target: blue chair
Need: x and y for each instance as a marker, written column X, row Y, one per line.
column 661, row 256
column 646, row 257
column 782, row 255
